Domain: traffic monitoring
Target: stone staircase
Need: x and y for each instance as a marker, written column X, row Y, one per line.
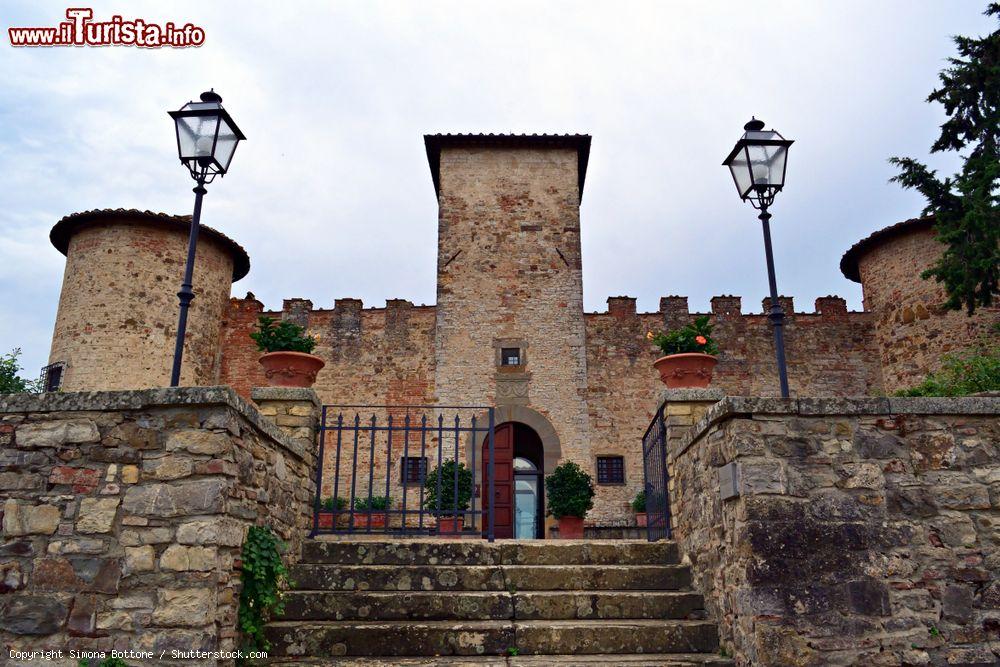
column 413, row 602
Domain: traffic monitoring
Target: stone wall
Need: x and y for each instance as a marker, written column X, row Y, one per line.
column 124, row 514
column 866, row 531
column 118, row 307
column 913, row 330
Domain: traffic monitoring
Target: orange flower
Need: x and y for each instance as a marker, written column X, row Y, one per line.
column 649, row 335
column 701, row 340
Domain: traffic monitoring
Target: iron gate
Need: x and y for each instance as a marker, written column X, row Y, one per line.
column 379, row 458
column 656, row 478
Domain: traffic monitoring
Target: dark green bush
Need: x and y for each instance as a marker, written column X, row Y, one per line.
column 448, row 487
column 570, row 491
column 961, row 375
column 284, row 336
column 330, row 504
column 376, row 504
column 639, row 503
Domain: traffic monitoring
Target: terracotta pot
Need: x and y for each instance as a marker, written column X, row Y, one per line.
column 691, row 370
column 326, row 520
column 450, row 528
column 291, row 369
column 361, row 520
column 570, row 528
column 640, row 519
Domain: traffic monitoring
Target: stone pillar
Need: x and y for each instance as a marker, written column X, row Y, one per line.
column 682, row 408
column 294, row 410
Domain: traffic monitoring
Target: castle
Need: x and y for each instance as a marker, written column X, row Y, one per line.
column 508, row 329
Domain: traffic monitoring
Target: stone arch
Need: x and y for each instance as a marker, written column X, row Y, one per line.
column 551, row 447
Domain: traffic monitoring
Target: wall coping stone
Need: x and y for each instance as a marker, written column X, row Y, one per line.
column 302, row 394
column 747, row 406
column 101, row 401
column 691, row 395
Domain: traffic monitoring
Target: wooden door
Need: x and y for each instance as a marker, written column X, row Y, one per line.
column 503, row 481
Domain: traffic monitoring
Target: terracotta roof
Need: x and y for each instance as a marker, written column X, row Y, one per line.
column 849, row 262
column 65, row 228
column 435, row 142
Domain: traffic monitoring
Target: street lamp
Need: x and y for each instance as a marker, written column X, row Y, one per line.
column 758, row 165
column 206, row 141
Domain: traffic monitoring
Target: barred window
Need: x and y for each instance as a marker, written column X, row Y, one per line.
column 413, row 469
column 610, row 470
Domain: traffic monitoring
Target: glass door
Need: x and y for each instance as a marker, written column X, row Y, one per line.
column 526, row 496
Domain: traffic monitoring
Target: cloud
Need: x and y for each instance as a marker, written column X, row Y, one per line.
column 332, row 196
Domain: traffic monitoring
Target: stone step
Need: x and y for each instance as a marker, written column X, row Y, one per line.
column 633, row 660
column 421, row 638
column 511, row 578
column 465, row 605
column 479, row 552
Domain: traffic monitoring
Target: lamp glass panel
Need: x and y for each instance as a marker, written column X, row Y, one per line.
column 196, row 134
column 741, row 172
column 225, row 146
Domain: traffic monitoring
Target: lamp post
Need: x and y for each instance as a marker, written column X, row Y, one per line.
column 206, row 141
column 757, row 164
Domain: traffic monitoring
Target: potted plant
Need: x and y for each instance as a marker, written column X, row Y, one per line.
column 639, row 507
column 456, row 492
column 287, row 360
column 570, row 495
column 688, row 355
column 372, row 509
column 329, row 508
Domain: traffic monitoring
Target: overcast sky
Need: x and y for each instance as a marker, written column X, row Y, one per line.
column 332, row 197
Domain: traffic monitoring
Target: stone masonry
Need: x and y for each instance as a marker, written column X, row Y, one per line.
column 865, row 532
column 125, row 513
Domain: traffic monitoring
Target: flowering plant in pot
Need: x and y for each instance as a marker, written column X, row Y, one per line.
column 570, row 493
column 287, row 360
column 639, row 507
column 688, row 354
column 332, row 507
column 455, row 494
column 370, row 512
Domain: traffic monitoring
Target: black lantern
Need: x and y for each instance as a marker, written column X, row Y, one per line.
column 206, row 141
column 206, row 136
column 757, row 163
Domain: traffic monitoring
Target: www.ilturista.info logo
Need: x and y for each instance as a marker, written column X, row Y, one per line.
column 81, row 30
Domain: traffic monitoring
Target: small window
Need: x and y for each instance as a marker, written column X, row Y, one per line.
column 510, row 356
column 413, row 469
column 52, row 376
column 610, row 470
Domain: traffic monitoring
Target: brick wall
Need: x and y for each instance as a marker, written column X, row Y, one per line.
column 117, row 317
column 125, row 511
column 865, row 532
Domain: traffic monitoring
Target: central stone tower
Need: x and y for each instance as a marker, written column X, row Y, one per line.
column 510, row 327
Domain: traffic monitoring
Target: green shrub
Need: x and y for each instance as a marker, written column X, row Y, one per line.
column 264, row 577
column 284, row 336
column 331, row 504
column 694, row 337
column 570, row 491
column 375, row 504
column 639, row 503
column 448, row 487
column 961, row 375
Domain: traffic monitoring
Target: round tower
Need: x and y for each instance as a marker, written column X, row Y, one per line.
column 912, row 328
column 117, row 317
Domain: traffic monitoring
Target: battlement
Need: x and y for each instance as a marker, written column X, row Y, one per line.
column 724, row 306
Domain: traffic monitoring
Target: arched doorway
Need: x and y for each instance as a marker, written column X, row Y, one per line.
column 518, row 484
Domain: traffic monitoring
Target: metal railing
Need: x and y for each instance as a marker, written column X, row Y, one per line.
column 379, row 458
column 656, row 478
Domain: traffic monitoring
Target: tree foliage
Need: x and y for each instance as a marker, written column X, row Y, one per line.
column 10, row 381
column 966, row 206
column 453, row 485
column 284, row 336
